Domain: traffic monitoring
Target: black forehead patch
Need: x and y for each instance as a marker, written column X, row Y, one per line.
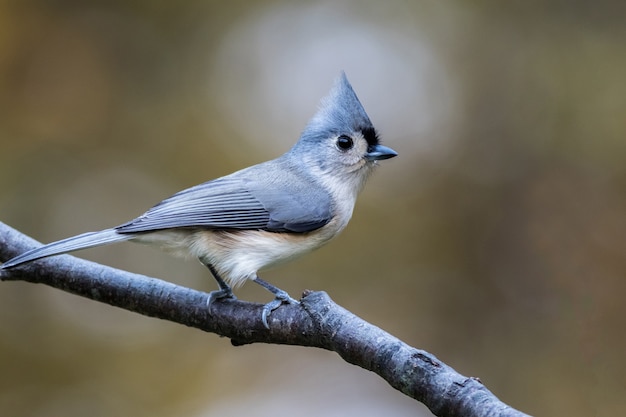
column 370, row 135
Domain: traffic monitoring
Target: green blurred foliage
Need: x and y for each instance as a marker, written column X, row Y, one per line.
column 496, row 240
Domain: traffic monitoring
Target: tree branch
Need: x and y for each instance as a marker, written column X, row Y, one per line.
column 316, row 322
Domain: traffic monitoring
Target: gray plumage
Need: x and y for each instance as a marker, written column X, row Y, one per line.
column 83, row 241
column 243, row 200
column 265, row 214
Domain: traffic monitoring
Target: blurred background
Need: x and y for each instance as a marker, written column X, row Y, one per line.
column 496, row 240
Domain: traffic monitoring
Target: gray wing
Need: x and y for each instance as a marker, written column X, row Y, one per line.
column 238, row 202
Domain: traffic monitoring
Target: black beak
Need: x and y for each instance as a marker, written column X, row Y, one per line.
column 379, row 152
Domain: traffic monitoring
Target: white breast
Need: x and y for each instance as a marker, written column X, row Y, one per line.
column 238, row 255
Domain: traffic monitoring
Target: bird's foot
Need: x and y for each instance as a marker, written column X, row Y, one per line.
column 281, row 297
column 218, row 295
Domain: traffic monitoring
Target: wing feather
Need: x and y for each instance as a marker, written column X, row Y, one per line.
column 230, row 203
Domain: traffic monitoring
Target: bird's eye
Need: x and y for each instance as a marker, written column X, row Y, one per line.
column 344, row 142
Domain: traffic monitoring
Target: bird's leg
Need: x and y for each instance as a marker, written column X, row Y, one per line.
column 224, row 292
column 281, row 297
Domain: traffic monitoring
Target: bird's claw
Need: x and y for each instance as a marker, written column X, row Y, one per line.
column 218, row 295
column 281, row 297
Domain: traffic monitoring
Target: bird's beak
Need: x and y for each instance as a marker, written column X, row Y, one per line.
column 379, row 152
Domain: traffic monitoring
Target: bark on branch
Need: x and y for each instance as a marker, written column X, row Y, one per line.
column 316, row 322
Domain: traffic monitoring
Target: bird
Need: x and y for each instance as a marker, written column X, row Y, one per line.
column 262, row 215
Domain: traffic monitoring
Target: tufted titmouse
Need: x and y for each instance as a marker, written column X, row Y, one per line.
column 262, row 215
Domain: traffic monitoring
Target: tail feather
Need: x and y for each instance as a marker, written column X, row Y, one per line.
column 84, row 241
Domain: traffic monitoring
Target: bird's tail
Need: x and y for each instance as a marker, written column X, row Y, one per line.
column 84, row 241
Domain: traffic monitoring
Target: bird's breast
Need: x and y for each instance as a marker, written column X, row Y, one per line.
column 238, row 255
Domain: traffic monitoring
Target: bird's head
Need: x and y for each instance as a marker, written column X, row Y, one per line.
column 340, row 140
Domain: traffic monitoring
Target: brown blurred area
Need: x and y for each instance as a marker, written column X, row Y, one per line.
column 496, row 240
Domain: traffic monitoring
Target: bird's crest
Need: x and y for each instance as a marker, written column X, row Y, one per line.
column 340, row 111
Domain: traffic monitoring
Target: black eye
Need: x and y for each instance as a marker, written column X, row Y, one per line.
column 344, row 142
